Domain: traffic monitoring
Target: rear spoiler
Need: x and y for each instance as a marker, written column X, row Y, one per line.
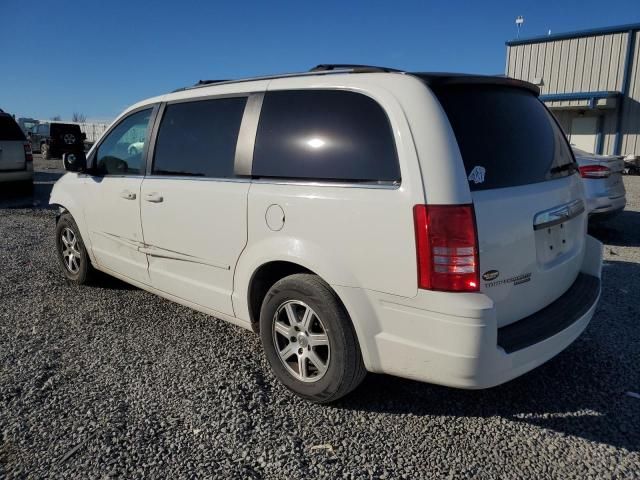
column 452, row 79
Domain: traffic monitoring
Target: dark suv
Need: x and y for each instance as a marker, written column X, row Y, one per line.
column 53, row 139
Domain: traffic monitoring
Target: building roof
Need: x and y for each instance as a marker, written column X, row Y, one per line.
column 575, row 34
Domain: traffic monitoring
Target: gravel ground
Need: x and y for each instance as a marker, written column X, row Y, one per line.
column 108, row 380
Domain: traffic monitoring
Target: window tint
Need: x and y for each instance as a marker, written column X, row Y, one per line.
column 9, row 129
column 506, row 136
column 324, row 134
column 199, row 138
column 122, row 149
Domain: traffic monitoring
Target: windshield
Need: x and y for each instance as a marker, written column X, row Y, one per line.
column 506, row 136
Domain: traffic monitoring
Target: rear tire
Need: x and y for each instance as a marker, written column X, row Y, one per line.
column 72, row 254
column 309, row 340
column 45, row 151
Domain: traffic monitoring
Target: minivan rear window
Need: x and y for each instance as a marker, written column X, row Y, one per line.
column 9, row 130
column 324, row 135
column 506, row 136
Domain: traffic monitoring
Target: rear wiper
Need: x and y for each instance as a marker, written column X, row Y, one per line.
column 571, row 167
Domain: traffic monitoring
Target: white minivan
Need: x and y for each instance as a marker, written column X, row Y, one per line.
column 429, row 226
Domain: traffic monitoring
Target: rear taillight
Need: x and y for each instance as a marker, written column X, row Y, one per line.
column 28, row 155
column 594, row 171
column 446, row 247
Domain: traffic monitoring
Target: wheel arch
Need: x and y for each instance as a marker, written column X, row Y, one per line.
column 285, row 251
column 248, row 302
column 67, row 203
column 262, row 279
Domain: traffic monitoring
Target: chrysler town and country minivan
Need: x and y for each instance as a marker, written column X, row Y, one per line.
column 429, row 226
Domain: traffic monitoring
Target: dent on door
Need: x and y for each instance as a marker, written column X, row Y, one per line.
column 194, row 232
column 113, row 219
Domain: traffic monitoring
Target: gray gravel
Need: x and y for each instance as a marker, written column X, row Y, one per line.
column 108, row 380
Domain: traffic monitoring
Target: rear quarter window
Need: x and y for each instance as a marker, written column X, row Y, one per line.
column 9, row 130
column 506, row 136
column 324, row 135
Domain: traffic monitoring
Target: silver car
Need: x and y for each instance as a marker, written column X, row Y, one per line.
column 602, row 179
column 16, row 161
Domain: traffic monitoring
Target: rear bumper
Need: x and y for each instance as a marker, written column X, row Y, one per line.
column 604, row 207
column 453, row 339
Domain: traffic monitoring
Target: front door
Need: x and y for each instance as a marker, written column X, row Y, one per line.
column 112, row 209
column 194, row 209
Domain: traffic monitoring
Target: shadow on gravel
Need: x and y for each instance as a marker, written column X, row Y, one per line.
column 621, row 230
column 107, row 282
column 17, row 196
column 581, row 392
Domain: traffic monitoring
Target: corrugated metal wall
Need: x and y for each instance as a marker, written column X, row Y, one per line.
column 631, row 112
column 93, row 130
column 584, row 64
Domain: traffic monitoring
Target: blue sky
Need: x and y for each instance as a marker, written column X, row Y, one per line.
column 98, row 57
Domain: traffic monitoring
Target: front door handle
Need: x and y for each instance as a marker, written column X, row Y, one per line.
column 153, row 197
column 128, row 195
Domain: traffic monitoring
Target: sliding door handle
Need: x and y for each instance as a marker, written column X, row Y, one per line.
column 153, row 197
column 128, row 195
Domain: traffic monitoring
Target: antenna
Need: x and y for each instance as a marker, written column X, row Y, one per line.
column 519, row 22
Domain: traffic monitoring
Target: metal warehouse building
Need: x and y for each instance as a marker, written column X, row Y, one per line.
column 591, row 80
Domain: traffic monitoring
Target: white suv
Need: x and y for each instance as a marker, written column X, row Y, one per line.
column 16, row 160
column 360, row 219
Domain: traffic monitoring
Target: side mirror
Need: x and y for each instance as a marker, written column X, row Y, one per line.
column 74, row 162
column 84, row 136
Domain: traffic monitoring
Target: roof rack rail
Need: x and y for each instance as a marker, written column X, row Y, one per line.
column 199, row 83
column 324, row 67
column 209, row 82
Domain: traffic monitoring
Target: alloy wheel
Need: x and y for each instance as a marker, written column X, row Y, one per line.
column 71, row 255
column 301, row 341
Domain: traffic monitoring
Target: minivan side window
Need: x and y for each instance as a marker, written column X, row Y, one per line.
column 199, row 138
column 324, row 135
column 121, row 151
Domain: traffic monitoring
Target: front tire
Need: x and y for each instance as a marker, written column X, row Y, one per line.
column 309, row 340
column 72, row 253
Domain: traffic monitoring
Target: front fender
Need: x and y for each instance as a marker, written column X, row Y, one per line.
column 68, row 193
